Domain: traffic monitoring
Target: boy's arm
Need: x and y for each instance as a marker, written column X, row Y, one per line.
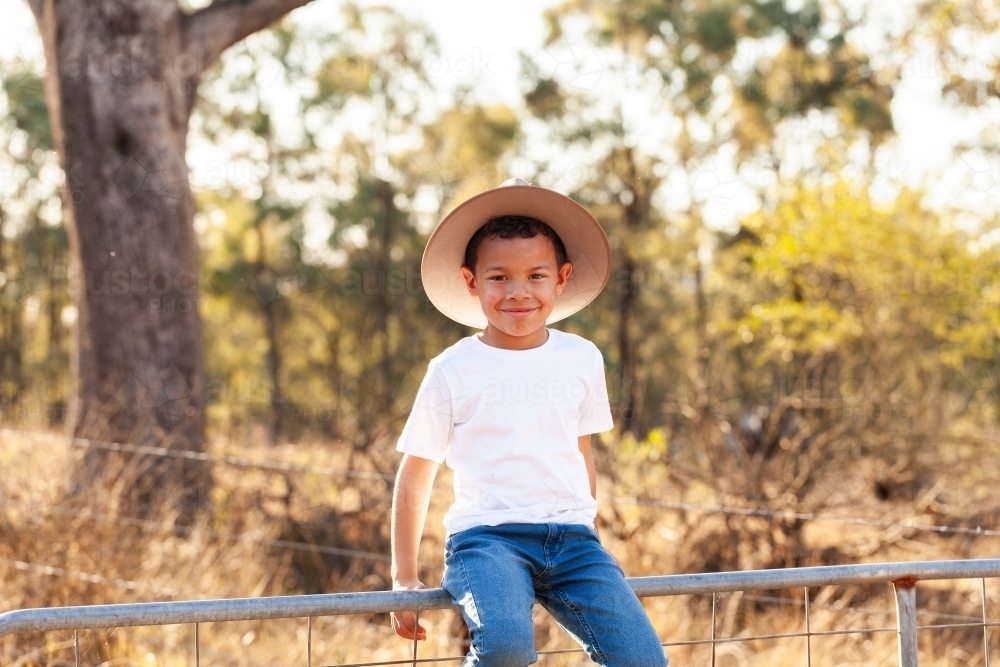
column 410, row 499
column 409, row 510
column 584, row 443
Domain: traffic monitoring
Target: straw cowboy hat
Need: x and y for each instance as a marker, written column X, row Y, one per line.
column 587, row 248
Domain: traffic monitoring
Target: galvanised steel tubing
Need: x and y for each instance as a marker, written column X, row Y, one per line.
column 296, row 606
column 865, row 573
column 906, row 622
column 205, row 611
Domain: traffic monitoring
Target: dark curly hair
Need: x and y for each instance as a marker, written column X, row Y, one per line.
column 508, row 227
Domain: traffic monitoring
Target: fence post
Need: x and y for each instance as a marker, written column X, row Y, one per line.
column 906, row 619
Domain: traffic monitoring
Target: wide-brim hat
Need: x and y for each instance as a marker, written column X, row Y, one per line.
column 587, row 249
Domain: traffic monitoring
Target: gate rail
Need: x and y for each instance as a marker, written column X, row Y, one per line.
column 903, row 576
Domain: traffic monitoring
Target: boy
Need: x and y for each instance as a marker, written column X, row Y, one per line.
column 513, row 410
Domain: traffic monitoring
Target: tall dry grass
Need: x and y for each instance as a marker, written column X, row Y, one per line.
column 100, row 553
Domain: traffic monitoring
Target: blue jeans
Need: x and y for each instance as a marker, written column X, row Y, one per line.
column 496, row 573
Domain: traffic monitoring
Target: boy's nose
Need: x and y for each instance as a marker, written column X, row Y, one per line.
column 517, row 289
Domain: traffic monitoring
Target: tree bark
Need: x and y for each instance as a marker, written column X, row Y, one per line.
column 120, row 85
column 267, row 295
column 383, row 303
column 626, row 344
column 635, row 213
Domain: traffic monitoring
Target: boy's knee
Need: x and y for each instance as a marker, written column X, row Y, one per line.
column 512, row 647
column 509, row 654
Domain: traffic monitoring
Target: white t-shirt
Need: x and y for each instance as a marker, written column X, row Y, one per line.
column 507, row 423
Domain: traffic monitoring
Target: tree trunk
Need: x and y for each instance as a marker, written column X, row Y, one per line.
column 635, row 212
column 702, row 398
column 120, row 118
column 626, row 344
column 267, row 294
column 120, row 85
column 334, row 425
column 383, row 304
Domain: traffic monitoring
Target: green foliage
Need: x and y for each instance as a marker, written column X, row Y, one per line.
column 34, row 259
column 961, row 34
column 26, row 107
column 827, row 272
column 717, row 60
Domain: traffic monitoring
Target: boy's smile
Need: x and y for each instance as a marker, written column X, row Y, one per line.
column 517, row 282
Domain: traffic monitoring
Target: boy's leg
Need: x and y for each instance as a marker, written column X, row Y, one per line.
column 488, row 572
column 586, row 593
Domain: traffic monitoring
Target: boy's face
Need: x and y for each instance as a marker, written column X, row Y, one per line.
column 517, row 282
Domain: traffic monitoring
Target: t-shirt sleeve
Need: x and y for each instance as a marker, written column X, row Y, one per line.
column 595, row 412
column 428, row 429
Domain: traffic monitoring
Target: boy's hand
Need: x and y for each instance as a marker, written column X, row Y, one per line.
column 403, row 621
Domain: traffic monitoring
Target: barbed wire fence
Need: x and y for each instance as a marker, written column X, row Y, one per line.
column 283, row 466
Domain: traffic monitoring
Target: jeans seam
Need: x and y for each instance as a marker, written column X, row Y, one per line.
column 583, row 623
column 548, row 564
column 468, row 585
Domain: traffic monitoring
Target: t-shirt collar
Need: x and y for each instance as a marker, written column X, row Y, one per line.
column 544, row 348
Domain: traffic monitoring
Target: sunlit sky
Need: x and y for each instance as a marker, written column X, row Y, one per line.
column 480, row 42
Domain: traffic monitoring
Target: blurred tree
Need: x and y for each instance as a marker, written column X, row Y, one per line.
column 410, row 150
column 849, row 333
column 464, row 152
column 619, row 188
column 264, row 269
column 121, row 83
column 961, row 35
column 743, row 67
column 381, row 61
column 33, row 257
column 729, row 73
column 374, row 188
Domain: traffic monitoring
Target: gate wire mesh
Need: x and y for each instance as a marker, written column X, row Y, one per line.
column 903, row 576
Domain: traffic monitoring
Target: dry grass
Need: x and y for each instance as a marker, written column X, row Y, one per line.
column 161, row 560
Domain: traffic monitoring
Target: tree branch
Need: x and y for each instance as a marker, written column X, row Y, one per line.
column 36, row 9
column 210, row 31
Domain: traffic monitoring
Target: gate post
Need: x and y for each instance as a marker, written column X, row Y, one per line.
column 906, row 620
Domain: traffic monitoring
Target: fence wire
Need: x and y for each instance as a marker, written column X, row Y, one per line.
column 282, row 466
column 252, row 536
column 89, row 578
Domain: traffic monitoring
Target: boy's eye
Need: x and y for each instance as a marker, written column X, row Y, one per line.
column 538, row 275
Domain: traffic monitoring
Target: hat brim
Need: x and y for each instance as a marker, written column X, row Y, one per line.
column 587, row 249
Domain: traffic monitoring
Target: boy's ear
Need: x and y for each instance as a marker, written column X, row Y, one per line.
column 564, row 271
column 470, row 281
